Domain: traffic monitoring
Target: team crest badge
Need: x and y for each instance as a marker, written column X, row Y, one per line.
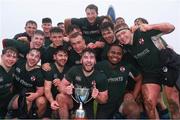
column 78, row 78
column 33, row 78
column 141, row 41
column 122, row 69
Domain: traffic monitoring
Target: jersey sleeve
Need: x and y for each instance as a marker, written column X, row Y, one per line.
column 40, row 79
column 20, row 46
column 69, row 76
column 48, row 75
column 76, row 21
column 133, row 71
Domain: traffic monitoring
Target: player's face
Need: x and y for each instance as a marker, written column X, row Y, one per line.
column 57, row 38
column 61, row 58
column 115, row 54
column 46, row 27
column 78, row 44
column 9, row 58
column 91, row 15
column 138, row 22
column 88, row 61
column 61, row 26
column 124, row 36
column 33, row 58
column 37, row 41
column 120, row 21
column 108, row 35
column 30, row 29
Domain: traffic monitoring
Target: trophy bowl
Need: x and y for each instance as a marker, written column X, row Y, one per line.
column 81, row 97
column 81, row 94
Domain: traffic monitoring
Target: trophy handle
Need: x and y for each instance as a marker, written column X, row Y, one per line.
column 81, row 100
column 88, row 100
column 74, row 98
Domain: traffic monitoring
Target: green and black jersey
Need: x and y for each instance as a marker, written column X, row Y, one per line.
column 47, row 41
column 74, row 58
column 6, row 81
column 76, row 76
column 27, row 80
column 91, row 32
column 54, row 73
column 49, row 51
column 145, row 52
column 117, row 77
column 105, row 49
column 23, row 48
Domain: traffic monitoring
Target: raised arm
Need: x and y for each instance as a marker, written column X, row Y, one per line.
column 67, row 22
column 163, row 27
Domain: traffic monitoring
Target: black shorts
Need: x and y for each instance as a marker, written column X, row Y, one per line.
column 4, row 105
column 170, row 76
column 152, row 78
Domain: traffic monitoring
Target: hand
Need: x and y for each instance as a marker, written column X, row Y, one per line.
column 144, row 27
column 56, row 82
column 91, row 45
column 66, row 39
column 129, row 97
column 23, row 39
column 95, row 91
column 46, row 67
column 31, row 96
column 54, row 105
column 134, row 28
column 69, row 89
column 99, row 44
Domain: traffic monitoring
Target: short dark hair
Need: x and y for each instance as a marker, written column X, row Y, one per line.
column 88, row 50
column 56, row 30
column 71, row 28
column 10, row 49
column 46, row 20
column 117, row 45
column 39, row 32
column 92, row 6
column 61, row 48
column 143, row 20
column 59, row 23
column 106, row 17
column 104, row 26
column 38, row 50
column 119, row 19
column 74, row 35
column 31, row 22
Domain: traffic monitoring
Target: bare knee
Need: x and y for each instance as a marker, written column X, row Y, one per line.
column 41, row 101
column 64, row 101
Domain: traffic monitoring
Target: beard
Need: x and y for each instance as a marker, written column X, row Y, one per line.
column 89, row 70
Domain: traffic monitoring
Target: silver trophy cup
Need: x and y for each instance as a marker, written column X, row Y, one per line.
column 81, row 97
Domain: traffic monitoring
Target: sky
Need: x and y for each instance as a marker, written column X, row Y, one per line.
column 15, row 13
